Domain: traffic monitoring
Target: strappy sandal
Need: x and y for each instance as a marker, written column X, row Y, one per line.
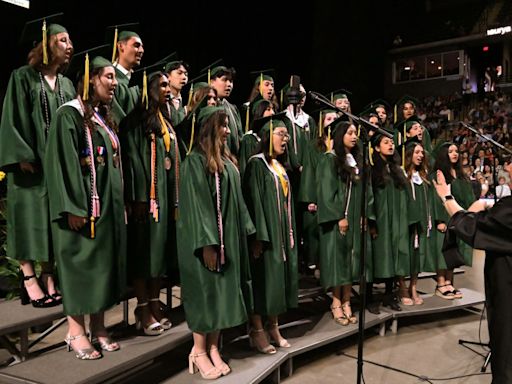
column 341, row 320
column 348, row 315
column 44, row 302
column 164, row 321
column 82, row 354
column 447, row 295
column 281, row 341
column 268, row 349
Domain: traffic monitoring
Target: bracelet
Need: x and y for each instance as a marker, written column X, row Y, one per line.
column 446, row 198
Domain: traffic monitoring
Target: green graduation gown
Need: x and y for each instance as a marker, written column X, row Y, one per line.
column 275, row 272
column 213, row 300
column 235, row 126
column 92, row 272
column 391, row 253
column 422, row 227
column 23, row 139
column 151, row 244
column 248, row 146
column 126, row 97
column 463, row 193
column 340, row 255
column 307, row 195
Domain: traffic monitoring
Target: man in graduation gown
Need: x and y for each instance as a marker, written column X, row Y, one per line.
column 127, row 54
column 177, row 72
column 490, row 231
column 222, row 79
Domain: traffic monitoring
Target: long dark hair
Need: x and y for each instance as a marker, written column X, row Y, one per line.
column 410, row 167
column 149, row 116
column 387, row 169
column 210, row 144
column 444, row 164
column 344, row 170
column 105, row 110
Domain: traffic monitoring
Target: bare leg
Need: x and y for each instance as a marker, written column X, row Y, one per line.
column 212, row 341
column 413, row 290
column 404, row 292
column 98, row 330
column 48, row 280
column 154, row 303
column 142, row 311
column 33, row 289
column 258, row 336
column 77, row 339
column 345, row 306
column 199, row 357
column 273, row 330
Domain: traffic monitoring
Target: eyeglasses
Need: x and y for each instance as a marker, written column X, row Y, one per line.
column 283, row 135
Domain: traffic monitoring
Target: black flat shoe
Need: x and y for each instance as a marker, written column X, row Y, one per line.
column 391, row 302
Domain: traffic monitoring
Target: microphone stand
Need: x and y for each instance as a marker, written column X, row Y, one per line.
column 494, row 145
column 364, row 175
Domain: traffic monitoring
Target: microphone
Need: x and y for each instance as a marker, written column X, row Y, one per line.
column 293, row 94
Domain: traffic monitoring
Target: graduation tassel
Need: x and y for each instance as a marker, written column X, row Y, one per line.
column 247, row 118
column 329, row 145
column 370, row 154
column 114, row 48
column 145, row 89
column 85, row 95
column 45, row 44
column 192, row 133
column 321, row 128
column 271, row 138
column 93, row 229
column 404, row 138
column 281, row 98
column 209, row 76
column 261, row 84
column 332, row 97
column 190, row 93
column 395, row 116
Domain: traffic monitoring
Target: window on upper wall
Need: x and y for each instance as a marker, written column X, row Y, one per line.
column 427, row 67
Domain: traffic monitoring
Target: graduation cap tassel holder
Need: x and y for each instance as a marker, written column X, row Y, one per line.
column 45, row 43
column 85, row 95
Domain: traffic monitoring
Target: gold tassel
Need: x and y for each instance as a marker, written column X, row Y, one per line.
column 86, row 78
column 192, row 133
column 247, row 118
column 93, row 232
column 332, row 97
column 271, row 138
column 370, row 154
column 45, row 44
column 329, row 144
column 359, row 130
column 176, row 215
column 281, row 99
column 114, row 49
column 403, row 148
column 395, row 117
column 261, row 84
column 190, row 93
column 321, row 128
column 145, row 89
column 209, row 76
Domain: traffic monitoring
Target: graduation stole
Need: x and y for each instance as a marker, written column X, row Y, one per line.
column 416, row 179
column 220, row 225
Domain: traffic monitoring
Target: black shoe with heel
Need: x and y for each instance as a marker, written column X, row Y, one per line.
column 44, row 302
column 57, row 296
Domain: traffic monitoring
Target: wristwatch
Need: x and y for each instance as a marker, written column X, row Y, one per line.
column 446, row 198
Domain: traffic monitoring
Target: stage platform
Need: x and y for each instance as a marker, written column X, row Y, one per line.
column 308, row 328
column 435, row 304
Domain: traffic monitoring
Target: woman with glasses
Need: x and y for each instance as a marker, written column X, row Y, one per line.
column 267, row 192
